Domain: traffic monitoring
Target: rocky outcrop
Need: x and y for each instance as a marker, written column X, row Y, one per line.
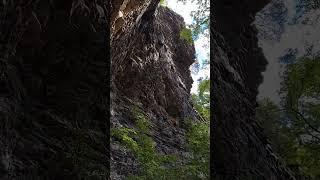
column 239, row 150
column 150, row 70
column 53, row 83
column 53, row 97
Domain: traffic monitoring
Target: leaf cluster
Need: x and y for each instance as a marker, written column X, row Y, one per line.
column 201, row 17
column 201, row 100
column 294, row 128
column 159, row 166
column 186, row 34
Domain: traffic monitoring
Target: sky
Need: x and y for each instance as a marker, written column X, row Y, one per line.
column 202, row 44
column 297, row 36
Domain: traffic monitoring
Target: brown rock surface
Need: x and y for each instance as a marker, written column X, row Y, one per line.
column 52, row 90
column 150, row 69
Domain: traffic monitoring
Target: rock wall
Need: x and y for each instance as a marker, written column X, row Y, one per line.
column 150, row 70
column 239, row 150
column 53, row 97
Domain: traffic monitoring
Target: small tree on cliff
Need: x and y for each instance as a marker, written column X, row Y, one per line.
column 201, row 17
column 201, row 100
column 294, row 129
column 186, row 34
column 163, row 2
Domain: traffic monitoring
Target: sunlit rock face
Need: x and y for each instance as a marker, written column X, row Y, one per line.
column 52, row 90
column 239, row 149
column 149, row 70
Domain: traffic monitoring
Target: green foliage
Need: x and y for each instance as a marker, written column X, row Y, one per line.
column 302, row 80
column 201, row 100
column 158, row 166
column 198, row 138
column 294, row 128
column 163, row 2
column 201, row 17
column 143, row 147
column 286, row 141
column 275, row 128
column 198, row 135
column 125, row 135
column 186, row 34
column 301, row 87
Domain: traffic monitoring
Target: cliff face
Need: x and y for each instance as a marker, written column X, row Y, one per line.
column 53, row 104
column 52, row 83
column 150, row 70
column 239, row 150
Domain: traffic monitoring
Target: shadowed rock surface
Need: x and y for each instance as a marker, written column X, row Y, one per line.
column 239, row 149
column 53, row 111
